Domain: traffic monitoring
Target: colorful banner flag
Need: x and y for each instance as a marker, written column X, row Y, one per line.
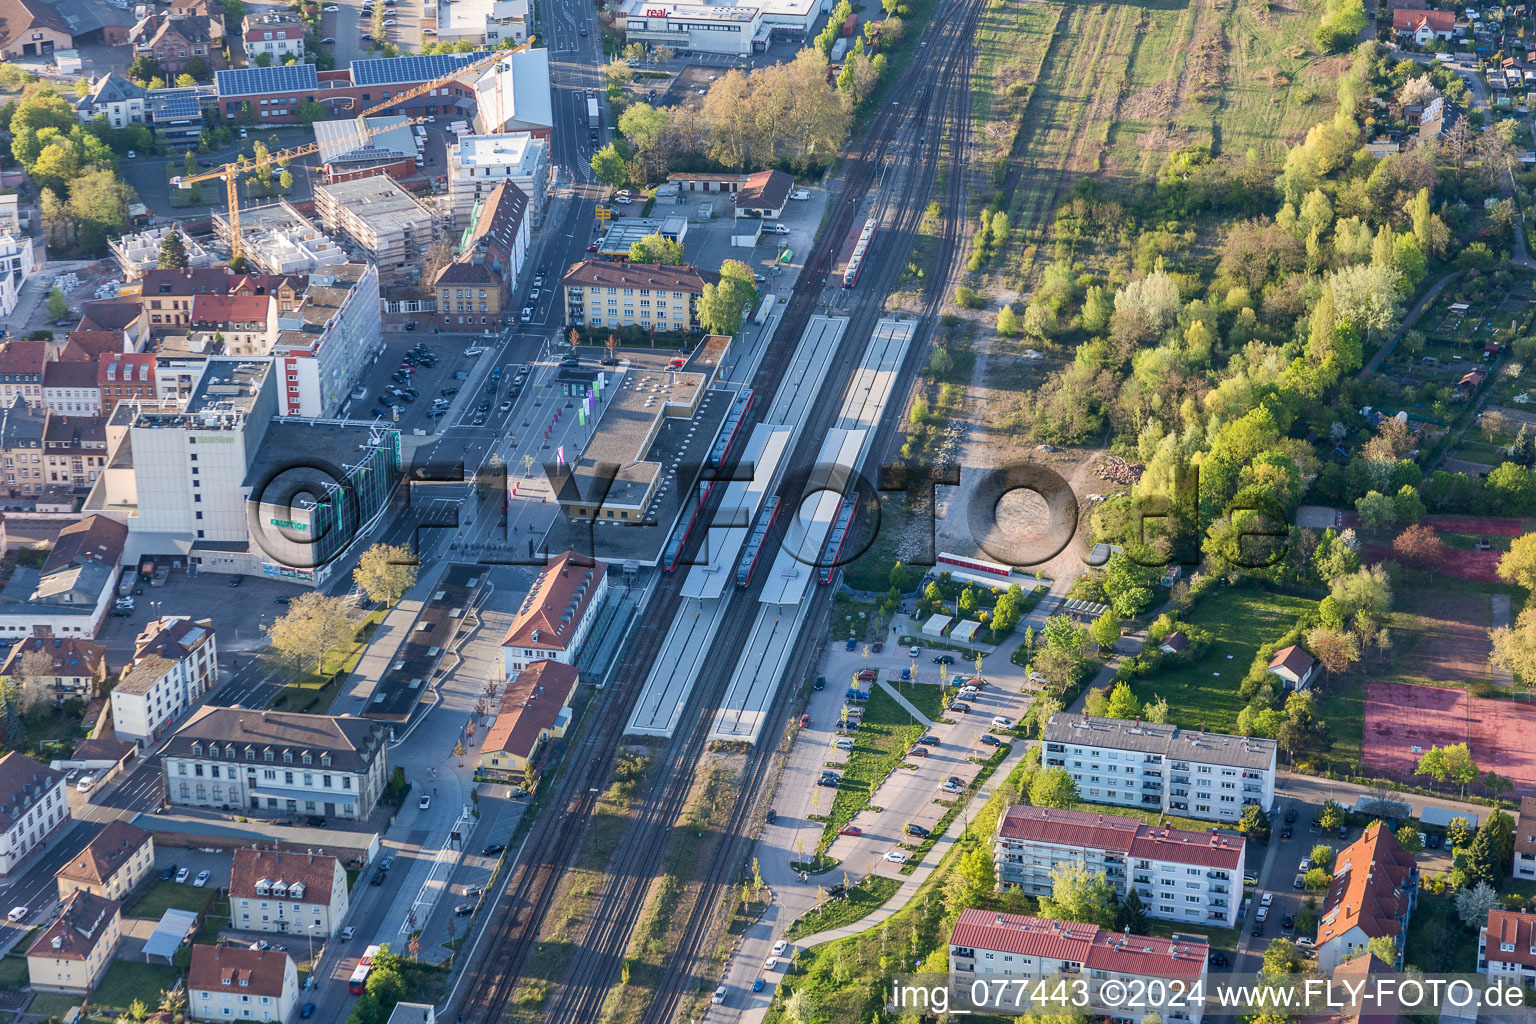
column 581, row 416
column 560, row 451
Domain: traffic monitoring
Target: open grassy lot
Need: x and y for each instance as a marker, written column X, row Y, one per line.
column 127, row 980
column 879, row 747
column 13, row 972
column 1204, row 692
column 163, row 896
column 1437, row 940
column 863, row 898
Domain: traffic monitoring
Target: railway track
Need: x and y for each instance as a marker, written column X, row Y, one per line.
column 594, row 960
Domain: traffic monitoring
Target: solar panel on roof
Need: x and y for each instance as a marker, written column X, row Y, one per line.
column 415, row 68
column 257, row 81
column 175, row 104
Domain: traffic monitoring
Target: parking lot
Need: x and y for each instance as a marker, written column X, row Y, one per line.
column 240, row 618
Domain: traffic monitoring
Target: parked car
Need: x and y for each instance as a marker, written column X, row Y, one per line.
column 1219, row 960
column 1287, row 922
column 378, row 877
column 918, row 751
column 805, row 721
column 527, row 316
column 182, row 874
column 1305, row 942
column 17, row 914
column 987, row 739
column 1299, row 882
column 820, row 683
column 719, row 996
column 952, row 787
column 772, row 816
column 779, row 229
column 779, row 947
column 234, row 581
column 896, row 856
column 307, row 1011
column 960, row 706
column 1002, row 721
column 424, row 803
column 943, row 659
column 1290, row 815
column 800, row 193
column 169, row 873
column 202, row 878
column 1267, row 899
column 347, row 933
column 757, row 984
column 463, row 910
column 918, row 831
column 1285, row 833
column 929, row 740
column 850, row 830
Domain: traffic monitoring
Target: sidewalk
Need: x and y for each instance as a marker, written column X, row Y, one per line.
column 909, row 707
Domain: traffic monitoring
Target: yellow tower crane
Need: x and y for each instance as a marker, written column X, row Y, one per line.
column 231, row 172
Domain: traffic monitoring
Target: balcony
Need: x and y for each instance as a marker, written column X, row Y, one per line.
column 1152, row 787
column 1179, row 780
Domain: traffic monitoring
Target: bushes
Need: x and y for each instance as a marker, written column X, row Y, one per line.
column 1343, row 20
column 966, row 298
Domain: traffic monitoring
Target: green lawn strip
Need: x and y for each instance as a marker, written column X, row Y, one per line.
column 163, row 896
column 928, row 698
column 126, row 981
column 1437, row 940
column 1345, row 715
column 13, row 972
column 1224, row 939
column 313, row 691
column 1240, row 620
column 46, row 1005
column 863, row 898
column 1150, row 817
column 879, row 747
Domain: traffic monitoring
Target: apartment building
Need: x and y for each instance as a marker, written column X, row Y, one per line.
column 243, row 324
column 1374, row 890
column 111, row 865
column 380, row 217
column 167, row 294
column 324, row 342
column 238, row 983
column 1524, row 863
column 175, row 662
column 1204, row 775
column 17, row 263
column 67, row 667
column 70, row 389
column 479, row 163
column 75, row 950
column 279, row 36
column 303, row 894
column 556, row 615
column 74, row 450
column 125, row 376
column 599, row 294
column 120, row 101
column 992, row 948
column 21, row 371
column 281, row 763
column 1190, row 877
column 21, row 447
column 32, row 806
column 1506, row 946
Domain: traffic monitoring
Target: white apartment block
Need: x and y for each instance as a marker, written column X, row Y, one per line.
column 324, row 343
column 238, row 983
column 16, row 265
column 279, row 36
column 481, row 162
column 380, row 217
column 986, row 949
column 300, row 894
column 32, row 806
column 1190, row 877
column 175, row 663
column 280, row 763
column 1204, row 775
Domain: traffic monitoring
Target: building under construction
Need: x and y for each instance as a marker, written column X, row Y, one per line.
column 279, row 239
column 383, row 219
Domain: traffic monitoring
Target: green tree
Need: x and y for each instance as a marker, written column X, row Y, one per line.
column 1518, row 564
column 1333, row 815
column 1482, row 860
column 58, row 305
column 314, row 628
column 1053, row 787
column 1131, row 914
column 1007, row 322
column 1123, row 703
column 1282, row 957
column 1451, row 763
column 173, row 252
column 1078, row 894
column 310, row 111
column 1458, row 833
column 1105, row 630
column 1254, row 823
column 385, row 571
column 145, row 68
column 1128, row 583
column 1408, row 838
column 721, row 307
column 654, row 248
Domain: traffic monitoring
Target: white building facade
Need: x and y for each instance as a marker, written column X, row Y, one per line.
column 481, row 162
column 1190, row 877
column 176, row 662
column 1210, row 776
column 16, row 265
column 324, row 344
column 32, row 806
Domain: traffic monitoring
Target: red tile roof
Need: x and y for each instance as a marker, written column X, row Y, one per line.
column 1293, row 658
column 1409, row 21
column 1087, row 944
column 78, row 928
column 531, row 704
column 229, row 309
column 113, row 847
column 71, row 656
column 126, row 368
column 23, row 356
column 1128, row 836
column 88, row 345
column 1515, row 927
column 260, row 971
column 548, row 618
column 1368, row 890
column 316, row 872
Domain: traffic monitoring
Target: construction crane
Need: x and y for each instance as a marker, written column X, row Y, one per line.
column 231, row 172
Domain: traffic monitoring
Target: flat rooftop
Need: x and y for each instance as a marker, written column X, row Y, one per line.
column 290, row 440
column 376, row 199
column 225, row 393
column 634, row 408
column 626, row 231
column 498, row 150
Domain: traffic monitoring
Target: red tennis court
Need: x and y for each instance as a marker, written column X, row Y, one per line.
column 1402, row 721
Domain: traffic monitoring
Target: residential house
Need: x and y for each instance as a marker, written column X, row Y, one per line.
column 1174, row 643
column 1506, row 946
column 65, row 666
column 125, row 376
column 600, row 294
column 112, row 864
column 167, row 294
column 1190, row 877
column 71, row 594
column 536, row 707
column 764, row 194
column 285, row 290
column 1363, row 983
column 74, row 449
column 209, row 9
column 467, row 290
column 32, row 28
column 1161, row 767
column 1294, row 667
column 21, row 448
column 175, row 662
column 246, row 323
column 114, row 97
column 21, row 370
column 32, row 806
column 557, row 614
column 279, row 36
column 300, row 894
column 174, row 41
column 1424, row 26
column 75, row 950
column 1374, row 889
column 996, row 949
column 237, row 983
column 276, row 761
column 70, row 389
column 1524, row 863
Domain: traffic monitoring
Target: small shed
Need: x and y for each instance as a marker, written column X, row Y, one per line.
column 1174, row 642
column 1081, row 609
column 964, row 630
column 1294, row 667
column 175, row 928
column 1440, row 817
column 938, row 625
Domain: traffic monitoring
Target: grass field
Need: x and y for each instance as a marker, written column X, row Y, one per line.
column 879, row 747
column 864, row 897
column 1437, row 940
column 1204, row 693
column 13, row 972
column 126, row 981
column 163, row 896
